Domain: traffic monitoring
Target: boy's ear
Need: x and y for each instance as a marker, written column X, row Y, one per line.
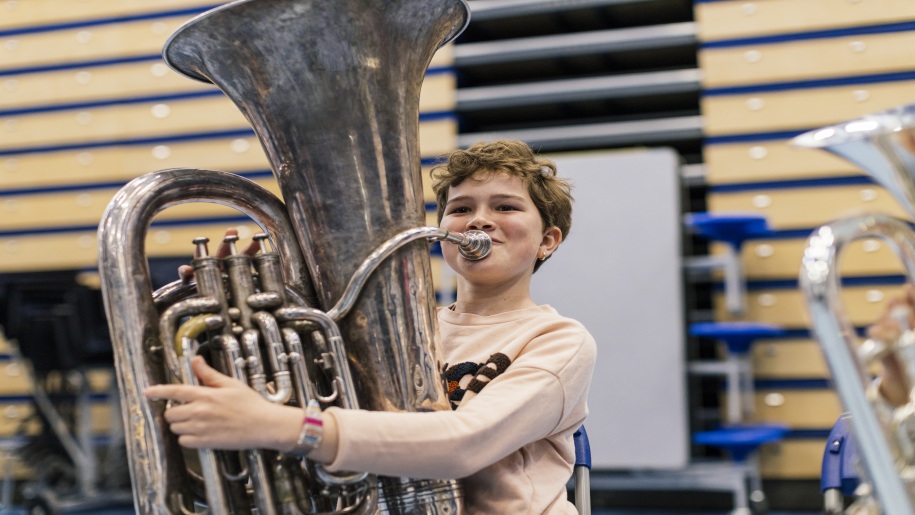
column 552, row 237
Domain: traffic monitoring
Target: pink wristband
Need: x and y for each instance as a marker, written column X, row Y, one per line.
column 312, row 429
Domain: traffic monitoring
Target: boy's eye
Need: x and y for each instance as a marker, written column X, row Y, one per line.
column 458, row 209
column 507, row 207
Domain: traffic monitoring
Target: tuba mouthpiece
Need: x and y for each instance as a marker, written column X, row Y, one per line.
column 475, row 245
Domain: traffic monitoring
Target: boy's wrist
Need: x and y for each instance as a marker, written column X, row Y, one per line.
column 311, row 432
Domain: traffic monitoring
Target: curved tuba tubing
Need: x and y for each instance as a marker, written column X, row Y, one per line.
column 345, row 315
column 883, row 145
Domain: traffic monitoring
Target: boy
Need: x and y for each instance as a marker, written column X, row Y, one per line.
column 518, row 373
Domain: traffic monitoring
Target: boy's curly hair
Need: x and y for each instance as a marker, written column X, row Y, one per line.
column 550, row 193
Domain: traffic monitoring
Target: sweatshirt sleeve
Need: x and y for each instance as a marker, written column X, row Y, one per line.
column 526, row 403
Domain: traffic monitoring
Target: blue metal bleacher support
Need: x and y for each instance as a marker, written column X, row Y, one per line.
column 738, row 436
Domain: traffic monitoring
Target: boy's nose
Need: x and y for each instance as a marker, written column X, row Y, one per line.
column 479, row 223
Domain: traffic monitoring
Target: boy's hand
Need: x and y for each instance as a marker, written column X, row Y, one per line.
column 898, row 316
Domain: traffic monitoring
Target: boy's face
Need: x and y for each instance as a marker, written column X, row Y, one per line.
column 502, row 207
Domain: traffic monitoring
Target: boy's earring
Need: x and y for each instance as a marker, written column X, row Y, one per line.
column 541, row 256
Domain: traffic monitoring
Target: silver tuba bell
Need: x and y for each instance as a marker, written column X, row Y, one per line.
column 883, row 145
column 340, row 307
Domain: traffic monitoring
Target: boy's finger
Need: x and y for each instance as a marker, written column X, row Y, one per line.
column 910, row 294
column 253, row 248
column 223, row 249
column 208, row 375
column 179, row 393
column 186, row 273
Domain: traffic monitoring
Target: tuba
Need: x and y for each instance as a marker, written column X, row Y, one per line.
column 339, row 308
column 883, row 145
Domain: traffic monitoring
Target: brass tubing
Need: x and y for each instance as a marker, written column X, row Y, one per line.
column 276, row 355
column 184, row 345
column 476, row 243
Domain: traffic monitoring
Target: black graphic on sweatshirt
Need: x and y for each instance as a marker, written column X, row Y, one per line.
column 481, row 374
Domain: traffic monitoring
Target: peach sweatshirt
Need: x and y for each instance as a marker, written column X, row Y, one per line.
column 519, row 381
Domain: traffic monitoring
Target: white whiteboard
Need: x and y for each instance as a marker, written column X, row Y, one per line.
column 619, row 273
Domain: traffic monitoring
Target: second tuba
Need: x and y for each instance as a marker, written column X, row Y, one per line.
column 340, row 309
column 883, row 145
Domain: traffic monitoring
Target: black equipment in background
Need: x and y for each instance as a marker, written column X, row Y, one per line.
column 59, row 323
column 56, row 320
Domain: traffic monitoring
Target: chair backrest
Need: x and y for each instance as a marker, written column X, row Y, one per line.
column 582, row 448
column 582, row 471
column 839, row 456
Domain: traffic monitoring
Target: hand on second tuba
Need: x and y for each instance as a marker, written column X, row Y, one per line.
column 898, row 316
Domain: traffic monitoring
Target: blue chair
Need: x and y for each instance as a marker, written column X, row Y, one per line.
column 741, row 441
column 582, row 471
column 738, row 338
column 732, row 229
column 839, row 477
